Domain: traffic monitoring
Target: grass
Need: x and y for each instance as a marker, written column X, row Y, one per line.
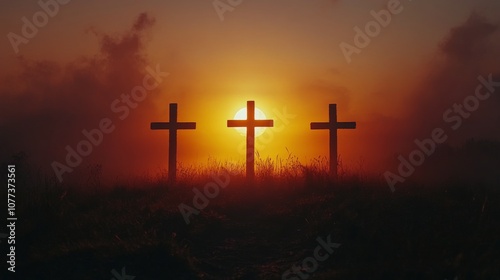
column 259, row 231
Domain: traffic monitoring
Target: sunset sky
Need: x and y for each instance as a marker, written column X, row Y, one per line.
column 284, row 54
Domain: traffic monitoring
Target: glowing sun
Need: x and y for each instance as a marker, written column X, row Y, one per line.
column 242, row 115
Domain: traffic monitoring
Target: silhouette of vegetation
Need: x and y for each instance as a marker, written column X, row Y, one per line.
column 260, row 231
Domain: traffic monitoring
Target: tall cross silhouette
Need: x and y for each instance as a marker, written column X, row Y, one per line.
column 172, row 127
column 333, row 126
column 250, row 123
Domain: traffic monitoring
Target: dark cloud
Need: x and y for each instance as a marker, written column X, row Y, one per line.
column 144, row 21
column 46, row 105
column 467, row 52
column 464, row 55
column 468, row 41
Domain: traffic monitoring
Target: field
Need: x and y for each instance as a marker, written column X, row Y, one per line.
column 259, row 231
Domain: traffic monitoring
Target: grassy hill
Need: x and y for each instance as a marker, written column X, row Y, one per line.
column 260, row 231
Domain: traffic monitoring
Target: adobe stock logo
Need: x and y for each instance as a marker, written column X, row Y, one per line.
column 282, row 119
column 40, row 19
column 310, row 264
column 201, row 199
column 221, row 7
column 122, row 107
column 122, row 276
column 454, row 117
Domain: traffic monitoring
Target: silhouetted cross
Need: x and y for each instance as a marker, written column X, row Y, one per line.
column 172, row 126
column 333, row 126
column 250, row 123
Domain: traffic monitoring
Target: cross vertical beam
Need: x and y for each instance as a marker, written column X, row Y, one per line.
column 332, row 125
column 250, row 140
column 250, row 123
column 172, row 127
column 334, row 160
column 172, row 146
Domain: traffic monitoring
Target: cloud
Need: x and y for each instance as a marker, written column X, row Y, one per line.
column 468, row 41
column 144, row 21
column 47, row 105
column 468, row 51
column 465, row 54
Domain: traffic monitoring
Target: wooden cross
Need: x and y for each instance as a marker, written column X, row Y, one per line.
column 333, row 126
column 172, row 126
column 250, row 123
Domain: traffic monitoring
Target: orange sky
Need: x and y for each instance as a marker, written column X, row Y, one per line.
column 285, row 55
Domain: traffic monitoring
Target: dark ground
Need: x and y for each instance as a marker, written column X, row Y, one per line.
column 260, row 232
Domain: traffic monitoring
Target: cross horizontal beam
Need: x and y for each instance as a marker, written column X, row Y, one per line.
column 339, row 125
column 166, row 125
column 172, row 126
column 250, row 123
column 333, row 126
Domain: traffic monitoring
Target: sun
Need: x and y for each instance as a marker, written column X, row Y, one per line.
column 242, row 115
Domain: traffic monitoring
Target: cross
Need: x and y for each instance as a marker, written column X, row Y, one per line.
column 172, row 126
column 333, row 126
column 250, row 123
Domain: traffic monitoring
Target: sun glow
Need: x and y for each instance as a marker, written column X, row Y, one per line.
column 242, row 115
